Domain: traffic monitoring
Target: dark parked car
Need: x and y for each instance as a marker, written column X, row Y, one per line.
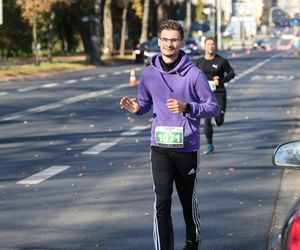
column 260, row 44
column 287, row 155
column 139, row 51
column 151, row 51
column 191, row 47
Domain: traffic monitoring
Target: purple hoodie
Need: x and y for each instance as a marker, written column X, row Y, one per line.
column 186, row 83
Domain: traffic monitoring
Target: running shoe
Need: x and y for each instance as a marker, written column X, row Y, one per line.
column 192, row 245
column 209, row 149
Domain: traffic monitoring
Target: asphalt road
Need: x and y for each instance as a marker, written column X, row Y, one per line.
column 75, row 174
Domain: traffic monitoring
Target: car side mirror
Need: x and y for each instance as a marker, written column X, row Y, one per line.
column 287, row 155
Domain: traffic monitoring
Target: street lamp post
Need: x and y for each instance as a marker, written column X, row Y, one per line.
column 218, row 23
column 1, row 12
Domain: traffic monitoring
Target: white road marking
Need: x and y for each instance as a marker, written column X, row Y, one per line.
column 27, row 89
column 102, row 75
column 134, row 130
column 3, row 93
column 248, row 71
column 84, row 79
column 117, row 73
column 43, row 175
column 101, row 147
column 70, row 81
column 50, row 85
column 61, row 103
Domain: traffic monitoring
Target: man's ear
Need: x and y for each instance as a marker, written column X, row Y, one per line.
column 182, row 43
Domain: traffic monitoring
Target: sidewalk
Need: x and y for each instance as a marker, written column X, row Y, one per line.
column 25, row 69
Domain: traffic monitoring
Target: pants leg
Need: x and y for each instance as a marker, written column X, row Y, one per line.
column 221, row 98
column 163, row 178
column 208, row 130
column 186, row 183
column 222, row 102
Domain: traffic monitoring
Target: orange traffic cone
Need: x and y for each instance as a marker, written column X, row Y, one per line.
column 269, row 48
column 132, row 79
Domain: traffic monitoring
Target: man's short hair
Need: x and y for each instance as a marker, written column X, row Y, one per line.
column 209, row 38
column 172, row 25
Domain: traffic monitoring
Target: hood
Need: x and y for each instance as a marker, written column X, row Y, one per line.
column 182, row 67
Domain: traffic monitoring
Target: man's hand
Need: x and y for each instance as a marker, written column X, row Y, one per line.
column 176, row 106
column 130, row 104
column 216, row 80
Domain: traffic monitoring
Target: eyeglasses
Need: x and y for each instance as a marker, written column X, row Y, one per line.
column 172, row 40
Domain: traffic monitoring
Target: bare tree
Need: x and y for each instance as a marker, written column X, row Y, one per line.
column 124, row 26
column 108, row 29
column 31, row 9
column 188, row 20
column 144, row 34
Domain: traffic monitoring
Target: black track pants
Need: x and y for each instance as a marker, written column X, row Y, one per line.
column 167, row 167
column 208, row 128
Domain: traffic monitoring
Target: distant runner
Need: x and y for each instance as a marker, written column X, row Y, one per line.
column 218, row 71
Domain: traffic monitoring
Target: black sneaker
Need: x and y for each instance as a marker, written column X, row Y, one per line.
column 192, row 245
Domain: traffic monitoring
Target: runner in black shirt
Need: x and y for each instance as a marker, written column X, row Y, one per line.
column 218, row 71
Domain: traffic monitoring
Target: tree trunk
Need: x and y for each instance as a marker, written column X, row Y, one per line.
column 144, row 35
column 50, row 37
column 34, row 37
column 188, row 21
column 96, row 37
column 124, row 26
column 108, row 29
column 85, row 34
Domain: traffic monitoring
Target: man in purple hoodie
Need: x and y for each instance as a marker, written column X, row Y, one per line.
column 180, row 96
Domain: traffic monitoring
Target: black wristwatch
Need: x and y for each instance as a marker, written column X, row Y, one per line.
column 188, row 108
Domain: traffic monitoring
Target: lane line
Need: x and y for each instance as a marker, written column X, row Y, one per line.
column 70, row 81
column 50, row 85
column 27, row 89
column 134, row 130
column 43, row 175
column 64, row 102
column 3, row 93
column 85, row 79
column 101, row 147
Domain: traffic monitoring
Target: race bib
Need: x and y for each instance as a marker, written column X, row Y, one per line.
column 169, row 137
column 212, row 85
